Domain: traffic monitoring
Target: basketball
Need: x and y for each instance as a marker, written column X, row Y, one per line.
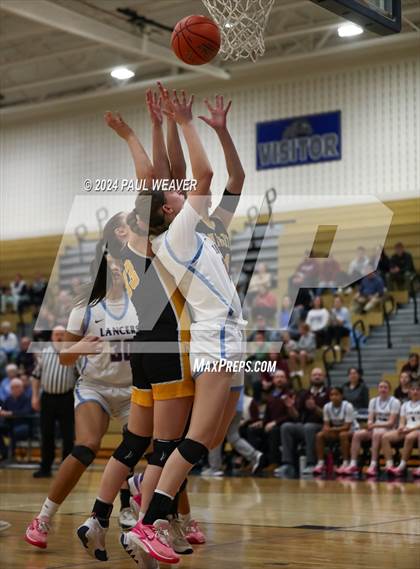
column 196, row 40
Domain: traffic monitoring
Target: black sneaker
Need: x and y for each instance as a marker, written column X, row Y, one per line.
column 42, row 474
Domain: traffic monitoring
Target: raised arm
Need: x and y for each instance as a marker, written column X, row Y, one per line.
column 142, row 163
column 160, row 157
column 173, row 143
column 234, row 185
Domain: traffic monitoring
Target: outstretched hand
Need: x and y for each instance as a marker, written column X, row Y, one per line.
column 154, row 104
column 177, row 108
column 218, row 113
column 117, row 123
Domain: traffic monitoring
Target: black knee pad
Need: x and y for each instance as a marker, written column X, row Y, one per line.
column 162, row 450
column 192, row 451
column 83, row 454
column 131, row 449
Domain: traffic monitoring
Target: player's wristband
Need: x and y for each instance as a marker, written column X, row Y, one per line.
column 229, row 201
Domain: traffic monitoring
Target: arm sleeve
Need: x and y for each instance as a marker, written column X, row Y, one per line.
column 349, row 413
column 404, row 410
column 181, row 237
column 395, row 407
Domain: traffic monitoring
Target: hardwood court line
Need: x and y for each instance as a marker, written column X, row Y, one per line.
column 345, row 528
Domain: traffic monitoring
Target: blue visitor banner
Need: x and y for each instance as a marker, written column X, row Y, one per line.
column 300, row 140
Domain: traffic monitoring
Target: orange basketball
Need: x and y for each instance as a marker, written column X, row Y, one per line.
column 196, row 40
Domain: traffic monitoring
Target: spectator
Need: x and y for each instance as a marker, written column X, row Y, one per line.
column 310, row 403
column 270, row 335
column 402, row 391
column 317, row 319
column 19, row 291
column 38, row 289
column 289, row 345
column 6, row 299
column 8, row 340
column 305, row 351
column 260, row 279
column 355, row 390
column 339, row 420
column 408, row 431
column 307, row 271
column 25, row 360
column 303, row 302
column 359, row 265
column 285, row 312
column 370, row 294
column 328, row 274
column 265, row 304
column 11, row 373
column 55, row 402
column 383, row 414
column 401, row 269
column 17, row 405
column 340, row 322
column 260, row 347
column 381, row 261
column 241, row 446
column 412, row 366
column 281, row 363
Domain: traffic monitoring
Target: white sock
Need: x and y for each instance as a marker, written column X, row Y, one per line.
column 345, row 464
column 353, row 462
column 320, row 463
column 389, row 463
column 185, row 518
column 141, row 516
column 49, row 509
column 402, row 465
column 372, row 464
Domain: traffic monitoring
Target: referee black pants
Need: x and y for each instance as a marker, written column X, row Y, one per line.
column 56, row 408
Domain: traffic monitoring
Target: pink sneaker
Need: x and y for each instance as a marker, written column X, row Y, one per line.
column 194, row 533
column 416, row 473
column 318, row 470
column 135, row 504
column 350, row 470
column 154, row 540
column 341, row 469
column 395, row 471
column 372, row 471
column 37, row 532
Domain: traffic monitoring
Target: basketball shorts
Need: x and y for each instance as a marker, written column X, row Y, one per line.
column 160, row 376
column 222, row 345
column 115, row 401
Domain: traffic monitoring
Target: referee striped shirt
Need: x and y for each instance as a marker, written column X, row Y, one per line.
column 55, row 378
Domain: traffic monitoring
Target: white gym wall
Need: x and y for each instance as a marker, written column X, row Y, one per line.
column 44, row 162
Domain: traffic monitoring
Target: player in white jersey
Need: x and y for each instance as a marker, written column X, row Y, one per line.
column 408, row 431
column 339, row 421
column 383, row 414
column 97, row 336
column 216, row 330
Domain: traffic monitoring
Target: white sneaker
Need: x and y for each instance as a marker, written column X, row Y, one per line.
column 126, row 518
column 258, row 463
column 144, row 560
column 92, row 536
column 212, row 472
column 4, row 525
column 308, row 470
column 178, row 539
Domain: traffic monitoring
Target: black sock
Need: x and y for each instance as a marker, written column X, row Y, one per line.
column 174, row 506
column 102, row 512
column 159, row 508
column 125, row 498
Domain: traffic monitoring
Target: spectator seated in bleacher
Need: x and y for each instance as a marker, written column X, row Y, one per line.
column 305, row 351
column 403, row 389
column 25, row 360
column 265, row 305
column 289, row 345
column 260, row 326
column 20, row 294
column 340, row 323
column 274, row 355
column 307, row 271
column 339, row 421
column 6, row 299
column 383, row 415
column 318, row 319
column 284, row 313
column 402, row 269
column 261, row 278
column 303, row 429
column 408, row 431
column 412, row 366
column 14, row 422
column 370, row 293
column 8, row 341
column 356, row 391
column 358, row 266
column 330, row 275
column 37, row 293
column 381, row 261
column 11, row 373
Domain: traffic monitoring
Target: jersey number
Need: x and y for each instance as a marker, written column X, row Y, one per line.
column 131, row 278
column 123, row 354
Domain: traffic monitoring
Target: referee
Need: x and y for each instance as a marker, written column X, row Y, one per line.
column 56, row 383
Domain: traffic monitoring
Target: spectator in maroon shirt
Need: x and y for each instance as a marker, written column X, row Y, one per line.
column 412, row 366
column 310, row 403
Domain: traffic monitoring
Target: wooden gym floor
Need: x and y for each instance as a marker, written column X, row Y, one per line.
column 251, row 523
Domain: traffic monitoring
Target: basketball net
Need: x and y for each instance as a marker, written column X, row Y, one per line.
column 242, row 24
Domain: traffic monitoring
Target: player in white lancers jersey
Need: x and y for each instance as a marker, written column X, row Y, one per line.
column 383, row 414
column 97, row 336
column 339, row 421
column 217, row 328
column 408, row 431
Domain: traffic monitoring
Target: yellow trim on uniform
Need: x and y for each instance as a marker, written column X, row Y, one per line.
column 173, row 389
column 142, row 397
